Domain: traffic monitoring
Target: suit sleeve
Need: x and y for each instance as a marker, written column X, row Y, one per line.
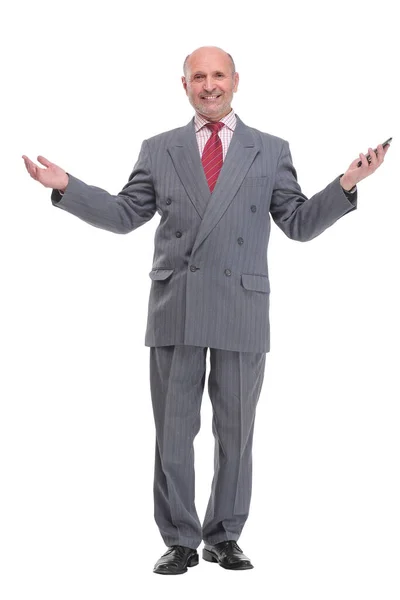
column 302, row 218
column 133, row 206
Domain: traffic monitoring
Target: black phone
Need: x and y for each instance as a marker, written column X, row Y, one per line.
column 368, row 157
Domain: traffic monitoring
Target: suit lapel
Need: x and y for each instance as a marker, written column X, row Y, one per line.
column 241, row 153
column 186, row 158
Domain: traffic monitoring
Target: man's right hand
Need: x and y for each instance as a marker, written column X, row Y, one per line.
column 52, row 177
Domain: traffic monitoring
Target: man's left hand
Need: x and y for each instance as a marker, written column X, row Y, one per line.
column 355, row 174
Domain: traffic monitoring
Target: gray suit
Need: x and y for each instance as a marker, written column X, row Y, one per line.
column 210, row 274
column 210, row 289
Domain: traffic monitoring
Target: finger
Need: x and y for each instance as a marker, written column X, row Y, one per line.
column 28, row 165
column 364, row 161
column 31, row 168
column 380, row 153
column 374, row 160
column 28, row 162
column 44, row 161
column 354, row 164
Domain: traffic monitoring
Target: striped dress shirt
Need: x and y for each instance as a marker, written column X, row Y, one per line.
column 203, row 133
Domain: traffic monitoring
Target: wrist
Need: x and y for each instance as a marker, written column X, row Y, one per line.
column 64, row 187
column 346, row 184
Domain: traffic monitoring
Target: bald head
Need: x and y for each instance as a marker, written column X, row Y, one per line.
column 204, row 52
column 210, row 80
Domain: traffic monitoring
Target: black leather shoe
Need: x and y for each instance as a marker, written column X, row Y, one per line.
column 228, row 555
column 176, row 560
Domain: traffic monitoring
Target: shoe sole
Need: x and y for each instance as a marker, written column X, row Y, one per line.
column 210, row 557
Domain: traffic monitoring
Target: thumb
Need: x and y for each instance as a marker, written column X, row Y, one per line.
column 44, row 161
column 353, row 165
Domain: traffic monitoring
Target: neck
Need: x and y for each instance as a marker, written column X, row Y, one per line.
column 214, row 119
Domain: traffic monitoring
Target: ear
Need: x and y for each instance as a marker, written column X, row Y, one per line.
column 184, row 83
column 236, row 82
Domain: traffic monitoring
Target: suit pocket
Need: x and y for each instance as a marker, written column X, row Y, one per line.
column 160, row 274
column 251, row 181
column 256, row 283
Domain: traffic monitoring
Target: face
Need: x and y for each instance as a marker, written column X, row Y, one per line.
column 209, row 83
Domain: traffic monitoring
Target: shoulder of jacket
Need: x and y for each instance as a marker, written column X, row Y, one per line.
column 267, row 137
column 164, row 136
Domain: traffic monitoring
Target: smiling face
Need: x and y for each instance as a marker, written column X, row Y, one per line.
column 210, row 83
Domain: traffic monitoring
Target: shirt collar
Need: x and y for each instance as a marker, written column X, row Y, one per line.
column 229, row 120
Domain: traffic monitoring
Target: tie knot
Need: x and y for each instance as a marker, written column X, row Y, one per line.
column 215, row 127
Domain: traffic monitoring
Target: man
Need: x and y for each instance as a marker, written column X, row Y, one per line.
column 214, row 182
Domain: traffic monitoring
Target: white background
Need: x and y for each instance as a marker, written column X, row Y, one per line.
column 85, row 83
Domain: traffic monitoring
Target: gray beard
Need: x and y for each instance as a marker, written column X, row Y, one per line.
column 208, row 110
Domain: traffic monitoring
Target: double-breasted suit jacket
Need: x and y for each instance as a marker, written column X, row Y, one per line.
column 210, row 284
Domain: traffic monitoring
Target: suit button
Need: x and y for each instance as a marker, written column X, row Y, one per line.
column 168, row 201
column 193, row 268
column 240, row 241
column 253, row 208
column 228, row 272
column 178, row 234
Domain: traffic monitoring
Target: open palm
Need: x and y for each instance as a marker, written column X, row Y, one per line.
column 52, row 176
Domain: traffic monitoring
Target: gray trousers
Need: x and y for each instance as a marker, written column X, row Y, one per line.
column 177, row 376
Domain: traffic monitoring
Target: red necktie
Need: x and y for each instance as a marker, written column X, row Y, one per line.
column 212, row 155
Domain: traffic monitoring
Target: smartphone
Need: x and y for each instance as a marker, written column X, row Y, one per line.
column 368, row 157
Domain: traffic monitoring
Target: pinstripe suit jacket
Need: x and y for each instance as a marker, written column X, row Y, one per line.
column 210, row 284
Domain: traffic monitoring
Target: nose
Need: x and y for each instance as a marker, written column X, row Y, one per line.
column 208, row 85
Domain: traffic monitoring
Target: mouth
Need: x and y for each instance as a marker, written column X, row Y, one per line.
column 210, row 98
